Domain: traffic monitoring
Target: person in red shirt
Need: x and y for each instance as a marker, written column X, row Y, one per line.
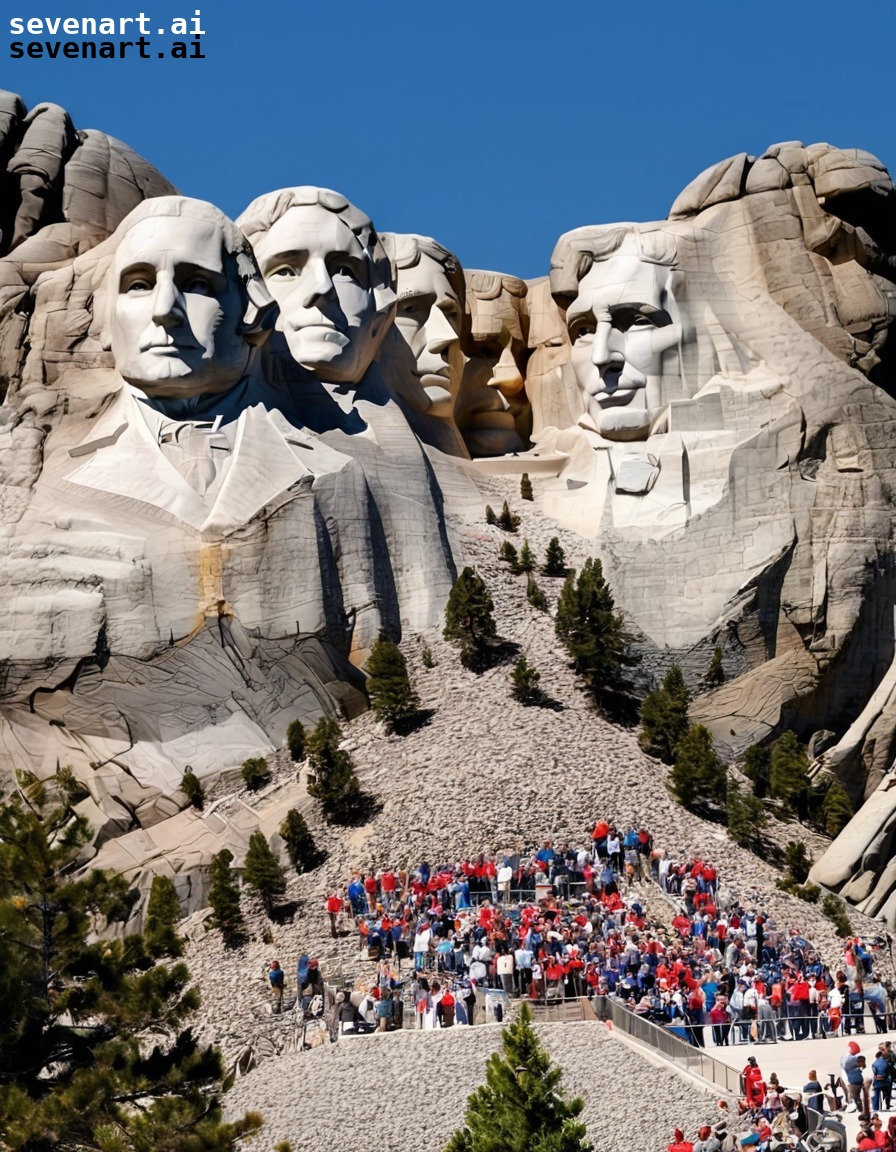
column 388, row 884
column 371, row 888
column 679, row 1144
column 754, row 1085
column 334, row 907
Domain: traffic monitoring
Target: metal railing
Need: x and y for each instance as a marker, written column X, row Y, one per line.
column 696, row 1061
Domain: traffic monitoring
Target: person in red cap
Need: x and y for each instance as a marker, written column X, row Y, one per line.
column 679, row 1144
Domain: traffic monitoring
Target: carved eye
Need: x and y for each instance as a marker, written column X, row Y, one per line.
column 345, row 270
column 198, row 286
column 138, row 285
column 284, row 272
column 642, row 321
column 583, row 328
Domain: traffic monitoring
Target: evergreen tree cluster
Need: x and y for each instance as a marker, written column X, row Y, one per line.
column 393, row 699
column 333, row 780
column 521, row 1107
column 256, row 773
column 96, row 1051
column 664, row 716
column 593, row 633
column 469, row 619
column 303, row 852
column 698, row 778
column 295, row 741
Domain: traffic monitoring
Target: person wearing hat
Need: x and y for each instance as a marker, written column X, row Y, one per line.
column 706, row 1141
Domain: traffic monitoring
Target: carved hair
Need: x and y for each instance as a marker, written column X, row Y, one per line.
column 260, row 311
column 406, row 248
column 264, row 212
column 578, row 251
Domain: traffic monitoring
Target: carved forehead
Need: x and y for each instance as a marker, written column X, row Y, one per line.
column 309, row 228
column 265, row 211
column 186, row 209
column 174, row 240
column 427, row 277
column 623, row 279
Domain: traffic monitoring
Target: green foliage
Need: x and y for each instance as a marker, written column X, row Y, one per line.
column 715, row 673
column 664, row 716
column 334, row 781
column 304, row 854
column 429, row 661
column 262, row 872
column 526, row 492
column 807, row 892
column 521, row 1107
column 527, row 560
column 592, row 631
column 524, row 680
column 394, row 700
column 746, row 818
column 698, row 777
column 535, row 596
column 507, row 552
column 554, row 559
column 224, row 899
column 508, row 521
column 162, row 917
column 295, row 740
column 88, row 1024
column 757, row 768
column 837, row 810
column 490, row 517
column 256, row 773
column 835, row 910
column 797, row 861
column 787, row 772
column 469, row 620
column 191, row 786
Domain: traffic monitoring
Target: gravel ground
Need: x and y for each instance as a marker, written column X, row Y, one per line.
column 484, row 774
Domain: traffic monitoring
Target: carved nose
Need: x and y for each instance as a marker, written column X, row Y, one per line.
column 316, row 282
column 439, row 333
column 600, row 347
column 167, row 304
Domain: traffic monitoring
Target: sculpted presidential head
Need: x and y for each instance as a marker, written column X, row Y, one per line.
column 617, row 285
column 323, row 263
column 187, row 304
column 430, row 317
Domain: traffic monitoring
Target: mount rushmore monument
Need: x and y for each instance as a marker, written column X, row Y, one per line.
column 233, row 453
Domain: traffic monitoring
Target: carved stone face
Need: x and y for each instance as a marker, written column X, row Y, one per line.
column 429, row 320
column 317, row 271
column 176, row 320
column 491, row 411
column 619, row 327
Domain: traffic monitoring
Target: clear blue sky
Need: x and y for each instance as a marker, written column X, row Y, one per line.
column 493, row 125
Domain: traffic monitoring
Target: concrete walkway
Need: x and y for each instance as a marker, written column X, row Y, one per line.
column 793, row 1059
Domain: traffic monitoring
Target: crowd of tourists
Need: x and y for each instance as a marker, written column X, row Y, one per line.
column 569, row 919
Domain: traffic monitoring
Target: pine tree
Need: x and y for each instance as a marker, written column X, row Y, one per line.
column 787, row 772
column 394, row 700
column 334, row 781
column 427, row 658
column 163, row 914
column 796, row 857
column 88, row 1024
column 262, row 872
column 698, row 777
column 524, row 682
column 593, row 632
column 507, row 553
column 508, row 521
column 304, row 854
column 746, row 818
column 757, row 766
column 527, row 560
column 521, row 1107
column 224, row 899
column 295, row 740
column 664, row 716
column 256, row 773
column 191, row 786
column 469, row 620
column 715, row 673
column 535, row 596
column 837, row 810
column 526, row 492
column 554, row 559
column 490, row 517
